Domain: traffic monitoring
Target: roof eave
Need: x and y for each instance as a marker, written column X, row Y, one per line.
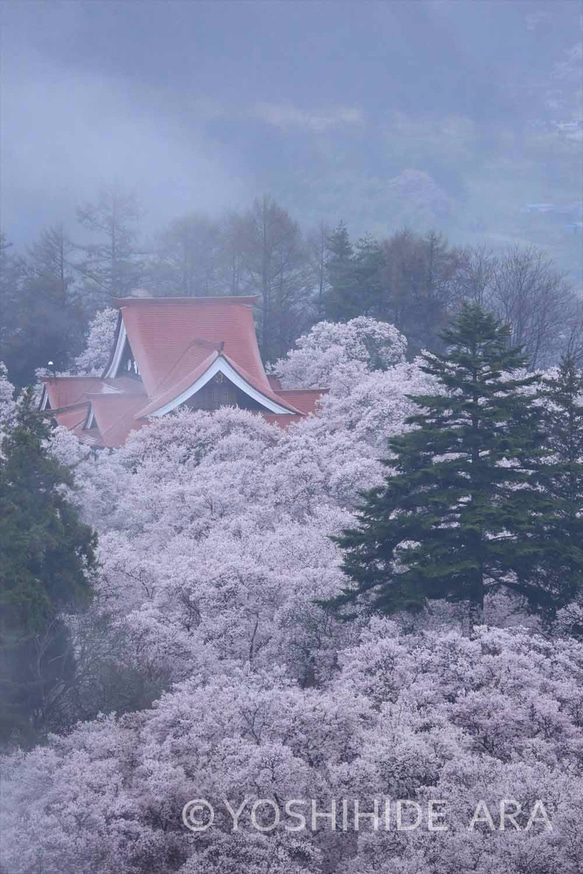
column 243, row 300
column 224, row 364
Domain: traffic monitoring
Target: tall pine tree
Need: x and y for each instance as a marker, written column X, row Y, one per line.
column 340, row 299
column 47, row 558
column 50, row 320
column 368, row 275
column 456, row 515
column 112, row 265
column 556, row 577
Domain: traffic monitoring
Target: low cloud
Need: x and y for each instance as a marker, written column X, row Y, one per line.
column 64, row 135
column 287, row 117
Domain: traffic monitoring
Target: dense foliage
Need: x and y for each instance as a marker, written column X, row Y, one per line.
column 413, row 280
column 423, row 715
column 47, row 556
column 461, row 509
column 206, row 666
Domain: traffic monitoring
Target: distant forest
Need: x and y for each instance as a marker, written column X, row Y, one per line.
column 50, row 292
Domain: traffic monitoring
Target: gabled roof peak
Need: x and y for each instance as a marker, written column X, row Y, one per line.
column 166, row 351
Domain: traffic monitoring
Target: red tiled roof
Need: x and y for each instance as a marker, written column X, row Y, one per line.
column 264, row 389
column 189, row 379
column 114, row 415
column 176, row 388
column 174, row 341
column 66, row 390
column 126, row 384
column 89, row 436
column 170, row 337
column 303, row 399
column 71, row 417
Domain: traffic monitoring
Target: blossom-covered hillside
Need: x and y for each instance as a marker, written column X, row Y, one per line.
column 210, row 667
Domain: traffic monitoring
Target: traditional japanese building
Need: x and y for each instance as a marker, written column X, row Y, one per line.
column 169, row 353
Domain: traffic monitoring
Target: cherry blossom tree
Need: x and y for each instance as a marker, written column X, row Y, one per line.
column 7, row 403
column 406, row 716
column 94, row 358
column 206, row 668
column 374, row 345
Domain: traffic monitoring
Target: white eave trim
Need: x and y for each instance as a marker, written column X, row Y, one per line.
column 114, row 366
column 44, row 401
column 90, row 420
column 220, row 365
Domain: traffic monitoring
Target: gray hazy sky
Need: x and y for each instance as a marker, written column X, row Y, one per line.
column 203, row 105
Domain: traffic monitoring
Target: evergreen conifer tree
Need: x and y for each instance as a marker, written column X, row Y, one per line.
column 47, row 558
column 340, row 302
column 456, row 515
column 557, row 575
column 112, row 266
column 49, row 315
column 368, row 268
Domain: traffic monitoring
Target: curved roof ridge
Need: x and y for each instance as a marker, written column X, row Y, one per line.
column 241, row 299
